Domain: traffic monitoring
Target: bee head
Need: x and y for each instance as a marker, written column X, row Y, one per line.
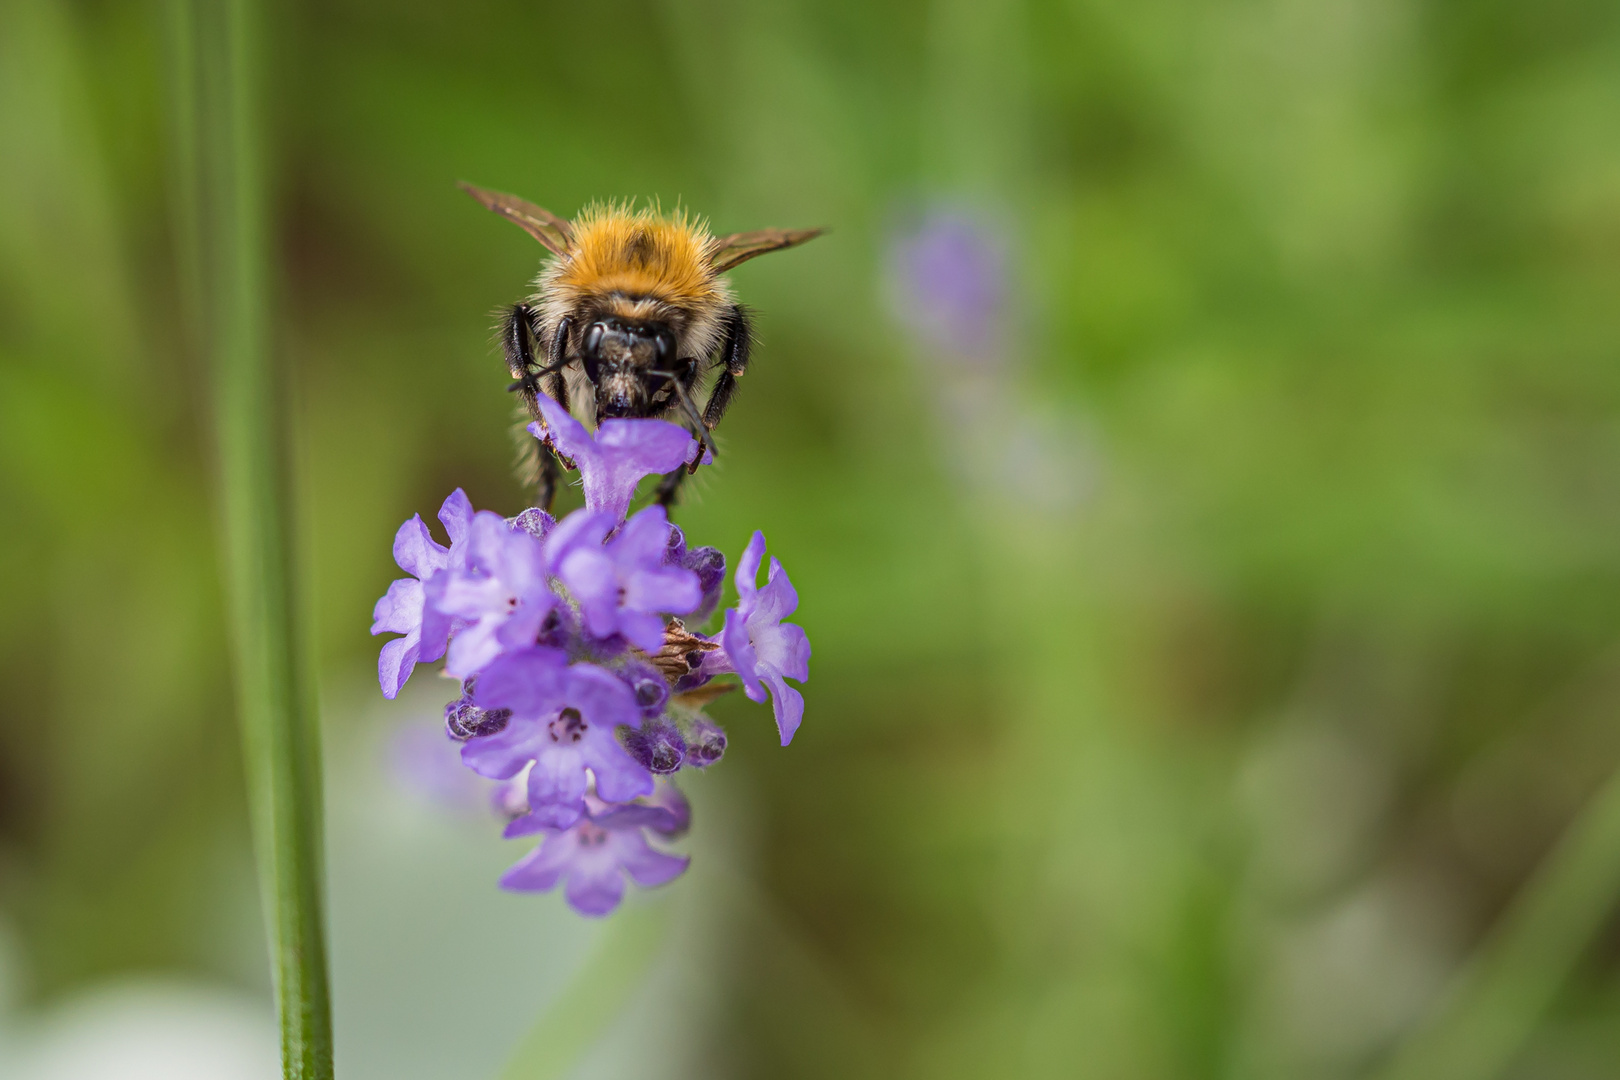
column 625, row 359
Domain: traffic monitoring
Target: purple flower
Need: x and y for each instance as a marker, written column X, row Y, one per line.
column 403, row 610
column 424, row 765
column 622, row 586
column 498, row 595
column 563, row 720
column 623, row 451
column 594, row 855
column 948, row 276
column 759, row 646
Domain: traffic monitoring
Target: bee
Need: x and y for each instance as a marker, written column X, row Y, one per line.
column 630, row 316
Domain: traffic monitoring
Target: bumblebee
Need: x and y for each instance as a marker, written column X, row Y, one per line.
column 630, row 315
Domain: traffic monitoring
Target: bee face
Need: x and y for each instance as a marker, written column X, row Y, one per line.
column 626, row 360
column 632, row 311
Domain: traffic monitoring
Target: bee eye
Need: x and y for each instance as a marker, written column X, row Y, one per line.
column 593, row 340
column 591, row 349
column 665, row 345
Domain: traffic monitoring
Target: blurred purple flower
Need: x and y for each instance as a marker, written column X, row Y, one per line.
column 564, row 719
column 403, row 609
column 613, row 462
column 594, row 855
column 499, row 595
column 759, row 646
column 948, row 275
column 622, row 586
column 424, row 764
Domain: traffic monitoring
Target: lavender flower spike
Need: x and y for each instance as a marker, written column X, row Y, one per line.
column 623, row 451
column 593, row 856
column 759, row 646
column 564, row 720
column 624, row 585
column 403, row 609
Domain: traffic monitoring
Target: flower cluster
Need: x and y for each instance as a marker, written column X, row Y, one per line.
column 582, row 687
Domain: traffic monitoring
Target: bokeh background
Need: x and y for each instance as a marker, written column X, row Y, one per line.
column 1196, row 445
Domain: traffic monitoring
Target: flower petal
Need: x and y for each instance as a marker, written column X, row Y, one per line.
column 395, row 664
column 740, row 652
column 543, row 867
column 558, row 780
column 472, row 649
column 644, row 631
column 415, row 550
column 747, row 576
column 788, row 704
column 567, row 434
column 531, row 682
column 619, row 777
column 595, row 891
column 778, row 599
column 670, row 589
column 651, row 445
column 542, row 819
column 646, row 865
column 456, row 515
column 601, row 697
column 781, row 647
column 400, row 609
column 504, row 754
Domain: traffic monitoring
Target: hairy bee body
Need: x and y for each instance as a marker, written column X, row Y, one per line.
column 638, row 267
column 632, row 316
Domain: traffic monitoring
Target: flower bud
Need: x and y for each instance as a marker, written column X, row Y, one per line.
column 658, row 746
column 705, row 744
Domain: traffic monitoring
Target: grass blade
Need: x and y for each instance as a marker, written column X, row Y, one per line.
column 225, row 269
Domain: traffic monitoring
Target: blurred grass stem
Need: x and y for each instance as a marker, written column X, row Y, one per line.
column 1507, row 987
column 225, row 277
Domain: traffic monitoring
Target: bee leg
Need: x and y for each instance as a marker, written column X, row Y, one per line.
column 734, row 356
column 700, row 431
column 556, row 386
column 668, row 486
column 516, row 332
column 545, row 485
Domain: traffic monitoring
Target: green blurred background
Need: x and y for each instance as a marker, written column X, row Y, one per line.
column 1222, row 748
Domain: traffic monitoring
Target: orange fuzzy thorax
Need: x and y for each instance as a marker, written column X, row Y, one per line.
column 638, row 254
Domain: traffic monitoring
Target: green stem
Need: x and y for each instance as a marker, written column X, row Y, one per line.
column 1507, row 987
column 224, row 223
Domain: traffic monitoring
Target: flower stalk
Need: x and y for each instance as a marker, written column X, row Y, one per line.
column 224, row 248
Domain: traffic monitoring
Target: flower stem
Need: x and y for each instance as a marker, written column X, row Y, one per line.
column 225, row 266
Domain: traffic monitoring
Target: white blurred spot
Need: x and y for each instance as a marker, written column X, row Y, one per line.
column 148, row 1030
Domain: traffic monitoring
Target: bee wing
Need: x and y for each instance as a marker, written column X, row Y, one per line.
column 728, row 251
column 546, row 227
